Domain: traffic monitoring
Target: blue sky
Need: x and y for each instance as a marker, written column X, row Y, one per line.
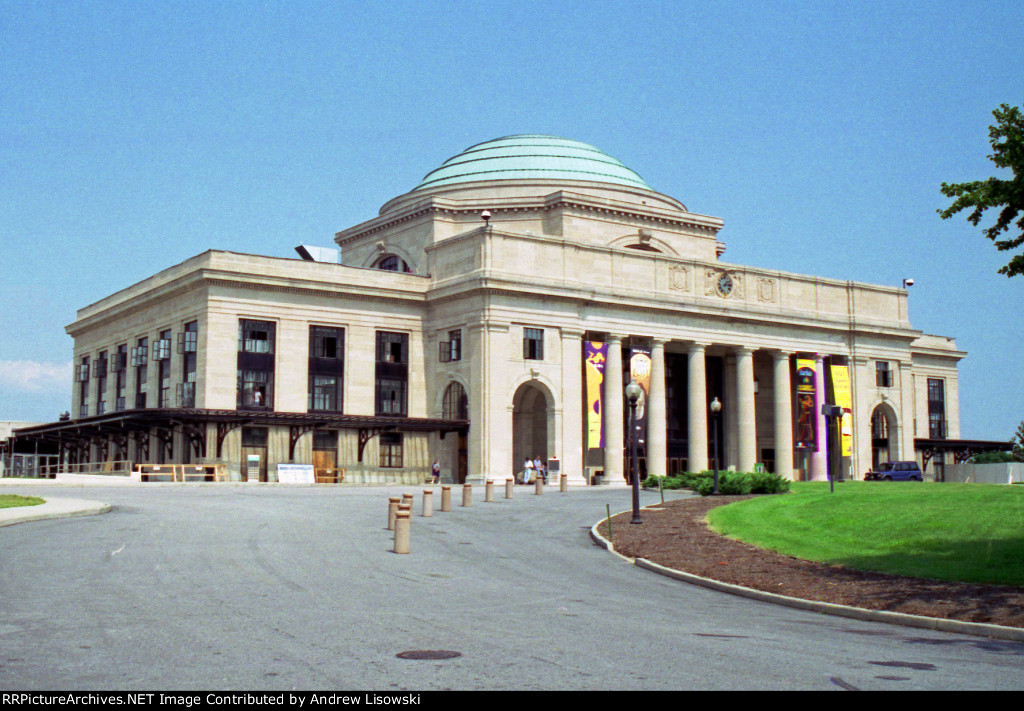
column 134, row 135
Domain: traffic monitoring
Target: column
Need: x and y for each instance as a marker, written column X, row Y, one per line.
column 613, row 395
column 657, row 420
column 570, row 443
column 697, row 408
column 745, row 410
column 819, row 458
column 783, row 416
column 729, row 424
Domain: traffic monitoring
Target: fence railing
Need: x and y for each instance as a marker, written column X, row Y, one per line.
column 180, row 472
column 113, row 468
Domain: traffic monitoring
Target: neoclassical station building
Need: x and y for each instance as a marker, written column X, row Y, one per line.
column 496, row 312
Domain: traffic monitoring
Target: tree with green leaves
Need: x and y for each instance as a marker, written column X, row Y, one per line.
column 1018, row 443
column 1007, row 138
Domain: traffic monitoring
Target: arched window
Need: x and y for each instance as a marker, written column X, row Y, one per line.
column 456, row 404
column 393, row 263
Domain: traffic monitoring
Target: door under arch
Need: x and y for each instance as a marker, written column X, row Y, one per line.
column 532, row 424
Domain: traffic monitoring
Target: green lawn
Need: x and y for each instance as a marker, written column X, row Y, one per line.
column 9, row 500
column 965, row 532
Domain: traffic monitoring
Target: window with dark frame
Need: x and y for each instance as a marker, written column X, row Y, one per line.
column 120, row 367
column 533, row 343
column 162, row 355
column 255, row 364
column 392, row 374
column 451, row 350
column 883, row 376
column 83, row 387
column 936, row 409
column 101, row 383
column 391, row 450
column 326, row 368
column 140, row 361
column 188, row 344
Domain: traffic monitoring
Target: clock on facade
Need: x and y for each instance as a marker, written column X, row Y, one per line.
column 724, row 285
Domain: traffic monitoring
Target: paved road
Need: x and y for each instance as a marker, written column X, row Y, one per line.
column 273, row 587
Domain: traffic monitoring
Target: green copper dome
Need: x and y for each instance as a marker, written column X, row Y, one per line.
column 532, row 157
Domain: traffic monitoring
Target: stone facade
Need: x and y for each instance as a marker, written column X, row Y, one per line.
column 557, row 263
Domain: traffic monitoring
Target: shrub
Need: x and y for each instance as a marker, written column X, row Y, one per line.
column 765, row 483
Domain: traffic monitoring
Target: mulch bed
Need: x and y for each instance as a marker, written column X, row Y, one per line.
column 677, row 536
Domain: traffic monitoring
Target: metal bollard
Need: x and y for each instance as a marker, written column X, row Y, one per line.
column 446, row 498
column 489, row 491
column 403, row 527
column 509, row 486
column 538, row 486
column 563, row 482
column 467, row 495
column 392, row 510
column 428, row 503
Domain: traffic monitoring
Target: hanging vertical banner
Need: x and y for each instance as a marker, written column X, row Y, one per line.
column 806, row 405
column 640, row 371
column 595, row 355
column 844, row 399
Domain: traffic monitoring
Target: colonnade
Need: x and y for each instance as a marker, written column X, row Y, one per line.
column 742, row 413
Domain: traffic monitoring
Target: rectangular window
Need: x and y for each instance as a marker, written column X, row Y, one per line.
column 883, row 376
column 140, row 362
column 326, row 368
column 392, row 373
column 533, row 343
column 451, row 350
column 256, row 365
column 120, row 376
column 187, row 343
column 936, row 409
column 162, row 353
column 83, row 387
column 391, row 450
column 101, row 383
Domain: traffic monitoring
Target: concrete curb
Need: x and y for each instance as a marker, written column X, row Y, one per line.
column 1012, row 634
column 52, row 508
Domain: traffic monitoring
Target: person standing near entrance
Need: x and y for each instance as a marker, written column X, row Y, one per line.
column 435, row 472
column 528, row 471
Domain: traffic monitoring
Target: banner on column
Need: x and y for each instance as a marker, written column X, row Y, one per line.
column 806, row 405
column 595, row 357
column 640, row 371
column 844, row 399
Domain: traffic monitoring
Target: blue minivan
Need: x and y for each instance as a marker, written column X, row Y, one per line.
column 896, row 471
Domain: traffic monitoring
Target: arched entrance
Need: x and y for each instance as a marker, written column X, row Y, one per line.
column 883, row 436
column 456, row 407
column 532, row 424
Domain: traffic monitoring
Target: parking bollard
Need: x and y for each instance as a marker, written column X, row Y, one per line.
column 392, row 510
column 428, row 503
column 563, row 482
column 509, row 486
column 467, row 495
column 489, row 491
column 538, row 486
column 446, row 498
column 403, row 527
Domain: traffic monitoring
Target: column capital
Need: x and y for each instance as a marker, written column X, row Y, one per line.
column 609, row 338
column 781, row 354
column 698, row 346
column 655, row 341
column 572, row 332
column 744, row 350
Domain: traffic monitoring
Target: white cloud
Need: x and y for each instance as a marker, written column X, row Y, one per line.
column 34, row 377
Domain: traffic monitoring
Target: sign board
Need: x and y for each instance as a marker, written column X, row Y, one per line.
column 295, row 474
column 553, row 465
column 252, row 467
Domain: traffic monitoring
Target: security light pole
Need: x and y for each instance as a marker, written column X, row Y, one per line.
column 633, row 393
column 716, row 409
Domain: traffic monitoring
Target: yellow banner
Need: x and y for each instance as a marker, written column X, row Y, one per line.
column 844, row 399
column 595, row 354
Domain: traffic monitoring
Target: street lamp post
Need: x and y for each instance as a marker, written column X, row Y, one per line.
column 716, row 408
column 633, row 393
